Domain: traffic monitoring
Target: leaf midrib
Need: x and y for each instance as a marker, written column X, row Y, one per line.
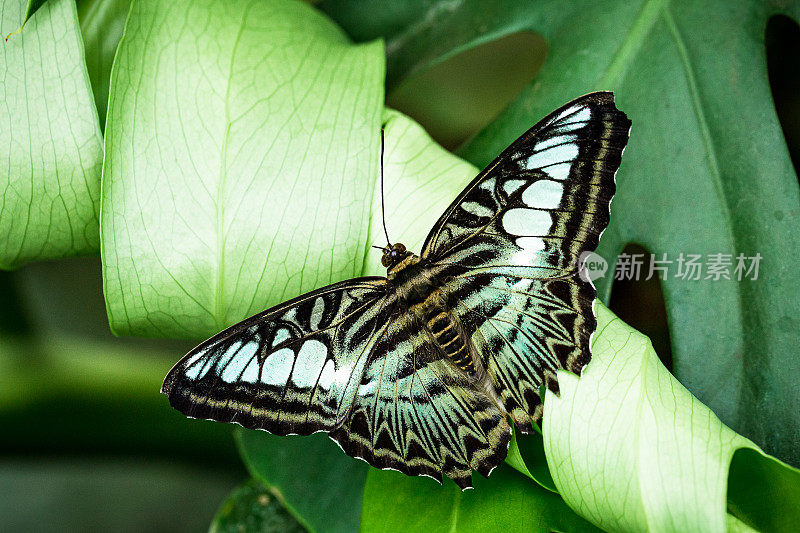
column 220, row 310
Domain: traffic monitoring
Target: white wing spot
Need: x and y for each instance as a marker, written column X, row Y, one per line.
column 554, row 141
column 477, row 209
column 229, row 353
column 326, row 377
column 549, row 156
column 522, row 221
column 198, row 371
column 487, row 185
column 543, row 194
column 512, row 186
column 247, row 353
column 309, row 363
column 277, row 367
column 583, row 115
column 531, row 244
column 316, row 314
column 529, row 253
column 234, row 368
column 280, row 336
column 559, row 171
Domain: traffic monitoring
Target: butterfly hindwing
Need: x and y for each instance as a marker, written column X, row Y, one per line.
column 510, row 247
column 290, row 369
column 415, row 413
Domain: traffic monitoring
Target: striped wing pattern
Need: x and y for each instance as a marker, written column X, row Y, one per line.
column 293, row 369
column 351, row 360
column 416, row 413
column 510, row 246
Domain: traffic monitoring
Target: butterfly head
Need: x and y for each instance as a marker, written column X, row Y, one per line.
column 393, row 254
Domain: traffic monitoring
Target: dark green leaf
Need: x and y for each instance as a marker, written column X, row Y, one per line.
column 762, row 492
column 506, row 501
column 50, row 141
column 706, row 171
column 108, row 494
column 252, row 507
column 319, row 484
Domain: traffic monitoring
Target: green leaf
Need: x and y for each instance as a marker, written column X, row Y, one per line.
column 319, row 484
column 706, row 171
column 50, row 142
column 506, row 501
column 630, row 449
column 102, row 24
column 253, row 507
column 233, row 162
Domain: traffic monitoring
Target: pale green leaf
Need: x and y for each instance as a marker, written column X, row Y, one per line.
column 50, row 141
column 631, row 449
column 241, row 154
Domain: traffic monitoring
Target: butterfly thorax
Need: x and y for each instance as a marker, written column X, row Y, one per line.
column 421, row 294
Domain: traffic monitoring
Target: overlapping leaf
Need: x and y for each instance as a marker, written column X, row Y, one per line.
column 631, row 449
column 233, row 164
column 50, row 141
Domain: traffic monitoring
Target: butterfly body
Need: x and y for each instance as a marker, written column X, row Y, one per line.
column 420, row 292
column 423, row 370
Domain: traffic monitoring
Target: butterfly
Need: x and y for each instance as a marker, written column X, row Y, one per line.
column 423, row 370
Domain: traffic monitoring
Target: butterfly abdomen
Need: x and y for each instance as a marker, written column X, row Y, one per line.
column 445, row 330
column 418, row 286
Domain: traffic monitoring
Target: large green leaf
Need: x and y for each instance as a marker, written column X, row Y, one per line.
column 706, row 171
column 50, row 142
column 506, row 501
column 232, row 164
column 630, row 449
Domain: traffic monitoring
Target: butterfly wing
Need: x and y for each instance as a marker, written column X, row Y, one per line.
column 509, row 247
column 293, row 368
column 416, row 413
column 342, row 359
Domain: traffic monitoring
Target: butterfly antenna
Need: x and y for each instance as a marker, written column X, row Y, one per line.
column 383, row 204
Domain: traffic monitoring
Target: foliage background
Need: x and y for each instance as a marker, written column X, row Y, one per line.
column 88, row 442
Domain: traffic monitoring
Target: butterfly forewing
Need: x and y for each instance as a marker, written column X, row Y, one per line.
column 291, row 369
column 510, row 247
column 364, row 359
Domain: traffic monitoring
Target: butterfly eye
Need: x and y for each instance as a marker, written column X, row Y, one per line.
column 385, row 260
column 399, row 247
